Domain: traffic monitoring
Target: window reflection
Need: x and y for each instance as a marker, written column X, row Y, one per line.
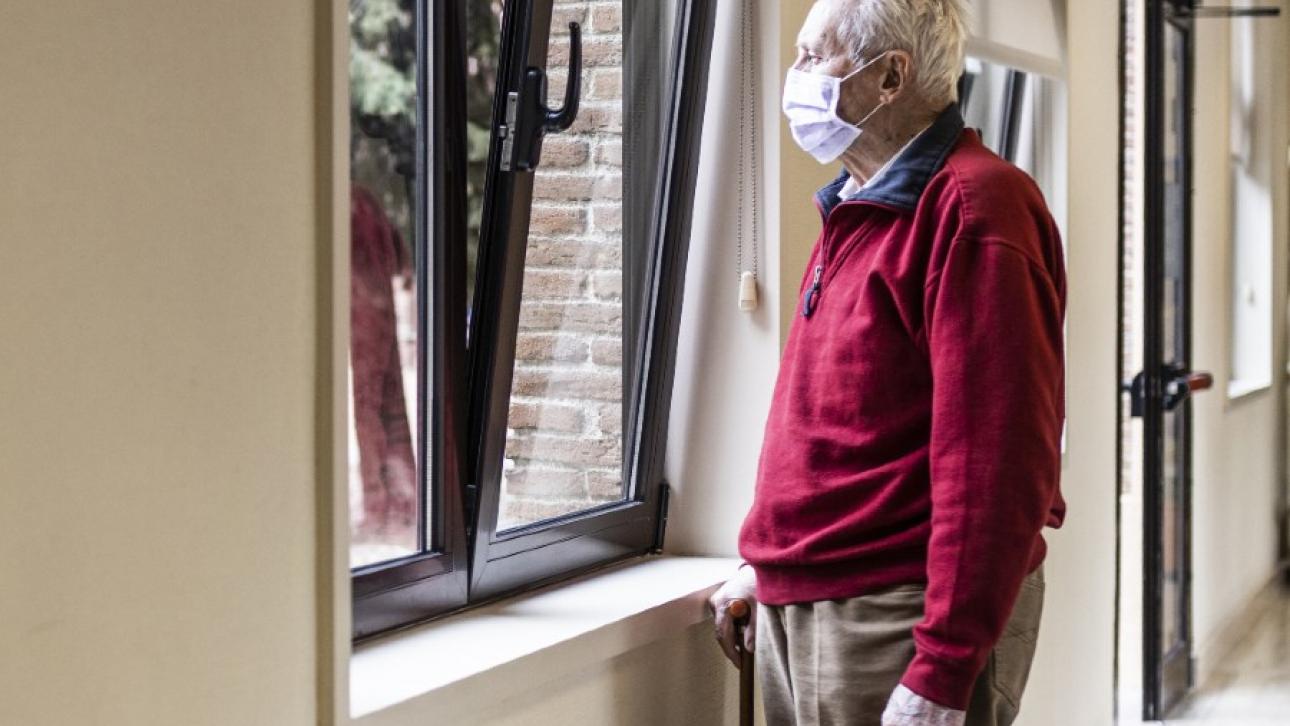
column 383, row 489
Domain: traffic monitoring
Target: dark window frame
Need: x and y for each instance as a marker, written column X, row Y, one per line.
column 470, row 562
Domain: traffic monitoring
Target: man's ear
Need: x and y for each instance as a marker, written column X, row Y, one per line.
column 897, row 76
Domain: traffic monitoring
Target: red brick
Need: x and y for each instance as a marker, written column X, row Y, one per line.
column 553, row 284
column 544, row 348
column 606, row 18
column 609, row 153
column 532, row 482
column 559, row 152
column 596, row 52
column 605, row 486
column 557, row 220
column 563, row 187
column 607, row 352
column 606, row 85
column 570, row 317
column 545, row 416
column 578, row 385
column 598, row 118
column 565, row 253
column 610, row 418
column 608, row 285
column 607, row 218
column 573, row 451
column 609, row 187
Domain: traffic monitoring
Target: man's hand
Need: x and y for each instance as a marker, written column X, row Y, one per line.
column 906, row 708
column 743, row 586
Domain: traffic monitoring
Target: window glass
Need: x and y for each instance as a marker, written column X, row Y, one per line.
column 1041, row 140
column 1252, row 173
column 383, row 430
column 593, row 199
column 983, row 99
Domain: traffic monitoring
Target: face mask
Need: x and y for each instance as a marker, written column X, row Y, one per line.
column 811, row 105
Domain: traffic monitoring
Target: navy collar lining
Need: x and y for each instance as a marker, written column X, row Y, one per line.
column 903, row 182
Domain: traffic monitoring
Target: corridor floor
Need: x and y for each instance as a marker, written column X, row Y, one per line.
column 1252, row 685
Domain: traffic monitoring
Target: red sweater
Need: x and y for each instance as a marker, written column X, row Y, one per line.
column 914, row 432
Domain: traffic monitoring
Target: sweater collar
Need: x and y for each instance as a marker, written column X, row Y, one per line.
column 902, row 182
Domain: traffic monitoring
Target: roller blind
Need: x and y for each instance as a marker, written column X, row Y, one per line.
column 1029, row 35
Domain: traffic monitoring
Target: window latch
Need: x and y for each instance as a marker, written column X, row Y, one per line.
column 506, row 132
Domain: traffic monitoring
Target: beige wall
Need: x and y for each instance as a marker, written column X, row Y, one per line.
column 1238, row 443
column 1071, row 682
column 157, row 312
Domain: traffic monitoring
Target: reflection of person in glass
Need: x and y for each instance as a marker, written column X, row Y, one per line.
column 386, row 459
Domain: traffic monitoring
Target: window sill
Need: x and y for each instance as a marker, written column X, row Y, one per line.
column 426, row 671
column 1238, row 390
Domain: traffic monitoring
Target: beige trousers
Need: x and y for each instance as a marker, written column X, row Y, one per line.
column 835, row 662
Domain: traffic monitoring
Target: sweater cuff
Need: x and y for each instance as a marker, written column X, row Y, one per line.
column 941, row 681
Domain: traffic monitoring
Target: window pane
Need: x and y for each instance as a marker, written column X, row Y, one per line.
column 483, row 37
column 985, row 101
column 589, row 231
column 383, row 490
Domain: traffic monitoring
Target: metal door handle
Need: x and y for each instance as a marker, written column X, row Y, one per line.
column 1183, row 385
column 1179, row 388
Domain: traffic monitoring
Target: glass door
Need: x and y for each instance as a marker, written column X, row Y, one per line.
column 1162, row 390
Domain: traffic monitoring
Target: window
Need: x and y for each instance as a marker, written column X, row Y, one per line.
column 1021, row 116
column 1251, row 200
column 521, row 179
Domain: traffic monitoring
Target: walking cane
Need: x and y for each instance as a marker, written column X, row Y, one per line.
column 740, row 612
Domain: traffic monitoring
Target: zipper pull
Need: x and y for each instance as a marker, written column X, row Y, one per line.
column 813, row 294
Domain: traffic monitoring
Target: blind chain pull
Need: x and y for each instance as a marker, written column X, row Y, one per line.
column 747, row 175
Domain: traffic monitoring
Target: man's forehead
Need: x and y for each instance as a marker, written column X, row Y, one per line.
column 819, row 30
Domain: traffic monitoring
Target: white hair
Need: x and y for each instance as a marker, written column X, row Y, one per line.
column 933, row 32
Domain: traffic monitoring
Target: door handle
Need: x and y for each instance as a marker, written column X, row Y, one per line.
column 529, row 119
column 1180, row 386
column 1184, row 384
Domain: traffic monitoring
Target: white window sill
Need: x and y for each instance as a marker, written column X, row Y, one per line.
column 1237, row 390
column 425, row 672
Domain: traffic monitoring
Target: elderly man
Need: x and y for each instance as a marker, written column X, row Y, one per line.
column 912, row 451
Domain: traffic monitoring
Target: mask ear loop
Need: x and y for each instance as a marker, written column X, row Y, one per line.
column 848, row 77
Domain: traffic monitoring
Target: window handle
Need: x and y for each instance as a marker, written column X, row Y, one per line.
column 529, row 119
column 562, row 119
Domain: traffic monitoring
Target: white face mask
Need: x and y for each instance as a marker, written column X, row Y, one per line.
column 811, row 105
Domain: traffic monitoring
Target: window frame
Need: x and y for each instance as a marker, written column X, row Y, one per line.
column 467, row 561
column 529, row 556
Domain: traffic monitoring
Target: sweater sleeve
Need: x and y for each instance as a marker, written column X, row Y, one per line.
column 994, row 321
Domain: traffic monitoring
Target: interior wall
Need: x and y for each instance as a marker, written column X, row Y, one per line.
column 727, row 359
column 1237, row 441
column 157, row 312
column 1071, row 682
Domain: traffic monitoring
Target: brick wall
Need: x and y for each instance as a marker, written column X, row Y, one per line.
column 564, row 440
